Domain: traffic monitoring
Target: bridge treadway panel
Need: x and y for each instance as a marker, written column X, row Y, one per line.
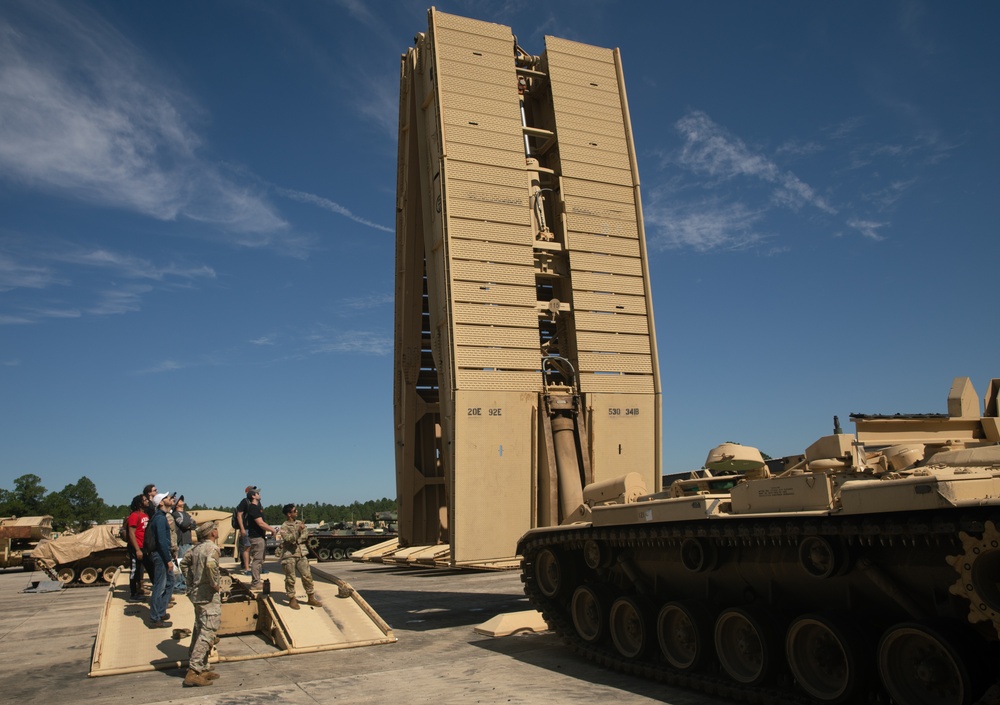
column 603, row 231
column 126, row 644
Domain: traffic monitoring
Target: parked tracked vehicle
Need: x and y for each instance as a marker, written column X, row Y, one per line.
column 88, row 558
column 338, row 544
column 868, row 565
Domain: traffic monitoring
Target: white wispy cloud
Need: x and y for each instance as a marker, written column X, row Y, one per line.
column 747, row 185
column 85, row 116
column 85, row 272
column 165, row 366
column 55, row 313
column 131, row 266
column 868, row 228
column 352, row 341
column 704, row 225
column 887, row 197
column 18, row 275
column 845, row 128
column 126, row 299
column 711, row 150
column 331, row 206
column 263, row 340
column 798, row 149
column 363, row 303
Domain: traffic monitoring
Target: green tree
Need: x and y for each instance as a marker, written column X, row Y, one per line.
column 86, row 506
column 59, row 507
column 27, row 496
column 6, row 500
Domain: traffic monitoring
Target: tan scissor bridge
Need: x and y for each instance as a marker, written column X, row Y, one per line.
column 253, row 626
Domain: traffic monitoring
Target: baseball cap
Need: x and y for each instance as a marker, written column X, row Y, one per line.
column 159, row 498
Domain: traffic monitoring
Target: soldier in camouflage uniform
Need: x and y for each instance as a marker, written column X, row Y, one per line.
column 200, row 567
column 294, row 556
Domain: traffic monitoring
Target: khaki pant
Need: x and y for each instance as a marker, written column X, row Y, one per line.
column 207, row 620
column 289, row 565
column 257, row 547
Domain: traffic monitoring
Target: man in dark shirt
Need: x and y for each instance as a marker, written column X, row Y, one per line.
column 257, row 529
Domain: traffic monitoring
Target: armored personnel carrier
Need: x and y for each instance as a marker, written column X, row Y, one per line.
column 340, row 542
column 870, row 565
column 88, row 558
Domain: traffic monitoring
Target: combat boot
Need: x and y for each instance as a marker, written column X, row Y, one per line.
column 293, row 603
column 193, row 678
column 210, row 675
column 313, row 601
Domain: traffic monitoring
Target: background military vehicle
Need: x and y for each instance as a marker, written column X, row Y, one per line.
column 335, row 542
column 19, row 536
column 868, row 563
column 88, row 558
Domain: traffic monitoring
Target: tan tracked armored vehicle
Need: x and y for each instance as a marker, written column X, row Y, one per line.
column 870, row 564
column 89, row 558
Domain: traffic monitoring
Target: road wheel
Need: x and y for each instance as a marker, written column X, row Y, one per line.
column 88, row 576
column 747, row 642
column 66, row 575
column 923, row 665
column 631, row 626
column 553, row 572
column 684, row 630
column 323, row 554
column 828, row 657
column 589, row 609
column 109, row 573
column 338, row 554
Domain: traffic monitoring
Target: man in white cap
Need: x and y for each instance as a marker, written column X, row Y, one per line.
column 157, row 540
column 200, row 567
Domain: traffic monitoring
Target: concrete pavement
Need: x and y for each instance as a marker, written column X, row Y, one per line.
column 46, row 642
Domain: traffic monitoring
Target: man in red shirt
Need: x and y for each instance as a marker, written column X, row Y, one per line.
column 136, row 524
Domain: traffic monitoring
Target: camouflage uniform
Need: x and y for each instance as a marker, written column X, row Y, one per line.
column 294, row 555
column 172, row 525
column 200, row 567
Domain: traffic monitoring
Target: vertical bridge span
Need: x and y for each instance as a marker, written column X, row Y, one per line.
column 525, row 356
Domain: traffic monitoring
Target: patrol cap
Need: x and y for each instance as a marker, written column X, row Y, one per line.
column 205, row 528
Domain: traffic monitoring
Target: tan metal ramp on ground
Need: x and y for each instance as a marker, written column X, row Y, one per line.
column 261, row 628
column 437, row 556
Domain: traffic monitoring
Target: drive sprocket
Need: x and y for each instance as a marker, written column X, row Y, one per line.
column 978, row 568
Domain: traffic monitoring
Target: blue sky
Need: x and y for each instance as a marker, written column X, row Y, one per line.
column 196, row 241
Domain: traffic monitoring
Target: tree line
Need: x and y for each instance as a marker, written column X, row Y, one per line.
column 78, row 506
